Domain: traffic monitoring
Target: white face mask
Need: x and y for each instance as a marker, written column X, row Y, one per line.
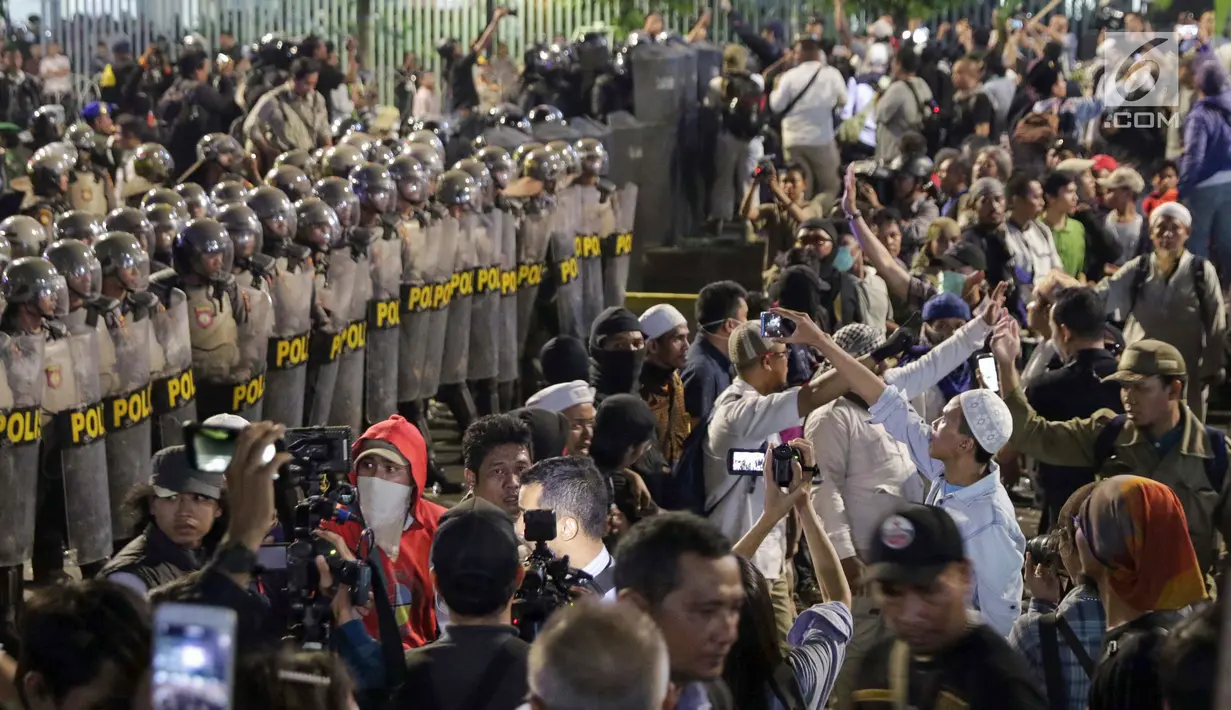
column 384, row 506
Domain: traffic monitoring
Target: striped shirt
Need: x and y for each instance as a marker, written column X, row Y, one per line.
column 818, row 647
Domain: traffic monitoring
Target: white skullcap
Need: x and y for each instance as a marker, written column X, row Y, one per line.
column 987, row 417
column 228, row 421
column 878, row 56
column 1172, row 209
column 659, row 319
column 560, row 397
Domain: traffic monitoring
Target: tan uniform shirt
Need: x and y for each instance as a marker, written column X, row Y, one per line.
column 288, row 121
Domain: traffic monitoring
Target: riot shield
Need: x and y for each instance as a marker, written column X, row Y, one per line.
column 128, row 409
column 21, row 359
column 418, row 259
column 347, row 406
column 618, row 248
column 484, row 331
column 564, row 265
column 455, row 361
column 384, row 319
column 597, row 224
column 532, row 239
column 287, row 371
column 507, row 343
column 78, row 442
column 334, row 288
column 173, row 390
column 239, row 389
column 442, row 245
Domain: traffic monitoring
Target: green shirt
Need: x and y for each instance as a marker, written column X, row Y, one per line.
column 1070, row 241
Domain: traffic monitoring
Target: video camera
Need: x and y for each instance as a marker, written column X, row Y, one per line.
column 545, row 586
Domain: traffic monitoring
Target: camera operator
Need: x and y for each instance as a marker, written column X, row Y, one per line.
column 496, row 452
column 781, row 219
column 479, row 662
column 390, row 472
column 573, row 488
column 176, row 530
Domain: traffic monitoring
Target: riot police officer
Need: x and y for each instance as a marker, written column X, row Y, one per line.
column 597, row 243
column 24, row 235
column 78, row 225
column 340, row 160
column 252, row 267
column 228, row 191
column 485, row 224
column 320, row 232
column 430, row 160
column 377, row 242
column 457, row 192
column 535, row 289
column 91, row 187
column 196, row 200
column 166, row 223
column 508, row 214
column 131, row 220
column 49, row 170
column 149, row 166
column 47, row 125
column 290, row 180
column 338, row 194
column 219, row 158
column 298, row 158
column 166, row 196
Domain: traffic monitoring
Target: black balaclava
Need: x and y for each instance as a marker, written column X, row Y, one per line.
column 619, row 371
column 564, row 359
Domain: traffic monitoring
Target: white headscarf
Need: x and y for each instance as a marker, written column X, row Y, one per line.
column 1172, row 209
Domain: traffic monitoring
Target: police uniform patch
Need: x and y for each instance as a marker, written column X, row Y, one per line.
column 87, row 194
column 204, row 315
column 54, row 376
column 45, row 216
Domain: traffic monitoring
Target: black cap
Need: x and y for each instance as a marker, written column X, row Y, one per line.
column 962, row 254
column 913, row 544
column 473, row 552
column 173, row 474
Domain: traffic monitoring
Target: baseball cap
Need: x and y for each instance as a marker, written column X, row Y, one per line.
column 174, row 474
column 964, row 254
column 473, row 552
column 913, row 544
column 1123, row 176
column 1145, row 358
column 380, row 449
column 746, row 345
column 1075, row 165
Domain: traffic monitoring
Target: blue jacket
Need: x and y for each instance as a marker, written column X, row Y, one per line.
column 1207, row 141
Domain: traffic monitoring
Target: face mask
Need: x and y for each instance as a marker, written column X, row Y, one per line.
column 617, row 371
column 952, row 282
column 384, row 506
column 843, row 260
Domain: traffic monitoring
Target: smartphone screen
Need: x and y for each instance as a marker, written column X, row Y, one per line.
column 987, row 371
column 211, row 448
column 1186, row 31
column 745, row 462
column 194, row 657
column 271, row 557
column 1015, row 24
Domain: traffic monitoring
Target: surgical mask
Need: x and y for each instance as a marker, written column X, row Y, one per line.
column 843, row 260
column 952, row 282
column 385, row 505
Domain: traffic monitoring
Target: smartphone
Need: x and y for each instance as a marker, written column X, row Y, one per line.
column 988, row 372
column 1186, row 31
column 211, row 448
column 746, row 462
column 194, row 656
column 1016, row 24
column 271, row 557
column 775, row 326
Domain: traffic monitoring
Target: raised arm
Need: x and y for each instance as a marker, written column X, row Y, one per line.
column 896, row 277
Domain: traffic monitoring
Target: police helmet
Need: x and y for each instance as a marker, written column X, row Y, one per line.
column 221, row 148
column 359, row 139
column 25, row 235
column 499, row 163
column 410, row 177
column 81, row 137
column 277, row 215
column 457, row 188
column 203, row 248
column 298, row 158
column 290, row 180
column 482, row 178
column 166, row 196
column 429, row 138
column 342, row 127
column 228, row 191
column 121, row 256
column 509, row 116
column 337, row 193
column 166, row 222
column 6, row 254
column 318, row 225
column 244, row 228
column 478, row 143
column 152, row 162
column 544, row 113
column 374, row 187
column 572, row 161
column 131, row 221
column 380, row 153
column 519, row 155
column 429, row 159
column 49, row 166
column 78, row 225
column 47, row 124
column 195, row 197
column 544, row 165
column 435, row 124
column 75, row 261
column 33, row 280
column 340, row 160
column 593, row 156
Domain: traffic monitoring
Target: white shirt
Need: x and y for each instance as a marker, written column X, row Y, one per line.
column 858, row 96
column 940, row 361
column 601, row 561
column 56, row 84
column 873, row 299
column 811, row 120
column 983, row 512
column 745, row 419
column 426, row 103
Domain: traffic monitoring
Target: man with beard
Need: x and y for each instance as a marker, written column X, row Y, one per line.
column 666, row 333
column 987, row 233
column 574, row 400
column 617, row 348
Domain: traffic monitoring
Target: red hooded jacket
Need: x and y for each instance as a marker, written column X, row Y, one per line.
column 411, row 593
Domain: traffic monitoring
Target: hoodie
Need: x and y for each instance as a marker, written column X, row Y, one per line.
column 1207, row 141
column 408, row 580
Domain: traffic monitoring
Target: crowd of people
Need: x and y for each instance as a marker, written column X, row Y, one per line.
column 804, row 494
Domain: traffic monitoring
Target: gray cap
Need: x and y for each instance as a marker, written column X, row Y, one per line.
column 173, row 474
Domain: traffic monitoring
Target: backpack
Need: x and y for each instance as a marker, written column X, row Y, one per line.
column 744, row 111
column 1215, row 466
column 1036, row 128
column 930, row 120
column 1142, row 271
